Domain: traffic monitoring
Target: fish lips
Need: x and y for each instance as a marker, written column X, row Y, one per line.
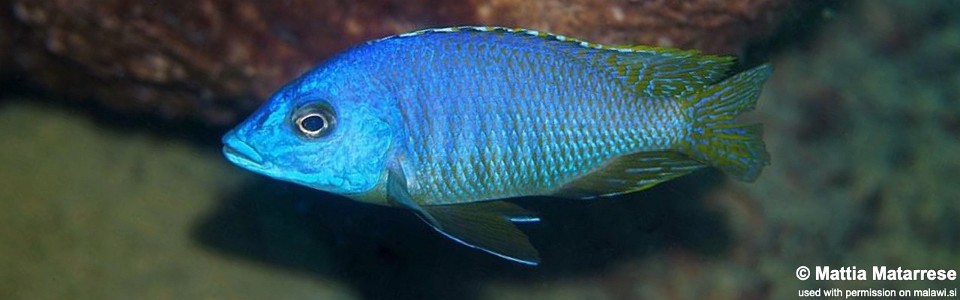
column 241, row 153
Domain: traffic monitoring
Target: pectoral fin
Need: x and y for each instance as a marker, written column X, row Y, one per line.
column 488, row 226
column 398, row 194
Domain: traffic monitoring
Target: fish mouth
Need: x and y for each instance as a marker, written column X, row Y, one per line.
column 239, row 152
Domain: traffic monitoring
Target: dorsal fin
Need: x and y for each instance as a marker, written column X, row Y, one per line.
column 661, row 72
column 651, row 71
column 630, row 173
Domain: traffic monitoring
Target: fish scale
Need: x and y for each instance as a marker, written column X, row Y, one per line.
column 564, row 145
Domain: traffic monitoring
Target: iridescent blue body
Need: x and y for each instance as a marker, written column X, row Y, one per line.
column 436, row 119
column 492, row 116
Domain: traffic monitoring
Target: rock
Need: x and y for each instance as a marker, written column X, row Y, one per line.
column 6, row 40
column 214, row 60
column 719, row 27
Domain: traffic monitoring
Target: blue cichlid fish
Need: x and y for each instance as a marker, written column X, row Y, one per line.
column 449, row 122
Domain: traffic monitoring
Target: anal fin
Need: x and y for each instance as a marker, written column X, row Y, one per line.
column 488, row 226
column 630, row 173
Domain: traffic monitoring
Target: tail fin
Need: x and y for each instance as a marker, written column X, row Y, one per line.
column 715, row 139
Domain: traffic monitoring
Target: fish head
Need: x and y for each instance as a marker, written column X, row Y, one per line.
column 320, row 131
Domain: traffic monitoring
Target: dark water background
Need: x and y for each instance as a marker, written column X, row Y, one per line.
column 862, row 119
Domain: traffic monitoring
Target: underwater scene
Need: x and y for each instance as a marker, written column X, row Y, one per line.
column 479, row 149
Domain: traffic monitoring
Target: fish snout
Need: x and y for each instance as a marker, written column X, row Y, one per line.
column 240, row 152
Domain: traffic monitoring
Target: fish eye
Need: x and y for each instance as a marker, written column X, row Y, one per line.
column 314, row 121
column 312, row 124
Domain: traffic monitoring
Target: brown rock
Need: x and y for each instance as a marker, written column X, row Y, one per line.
column 215, row 60
column 720, row 27
column 7, row 30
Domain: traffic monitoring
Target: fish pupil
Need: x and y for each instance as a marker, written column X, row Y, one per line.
column 313, row 123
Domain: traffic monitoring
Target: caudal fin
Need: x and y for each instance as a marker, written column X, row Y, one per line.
column 715, row 139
